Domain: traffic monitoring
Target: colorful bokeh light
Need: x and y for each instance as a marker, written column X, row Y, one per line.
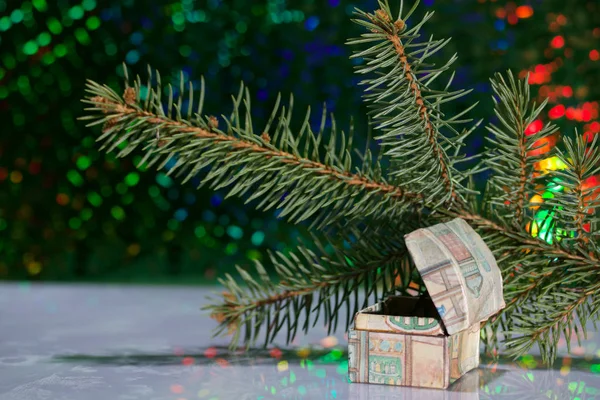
column 74, row 211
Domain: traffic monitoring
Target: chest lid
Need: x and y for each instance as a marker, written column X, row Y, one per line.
column 459, row 271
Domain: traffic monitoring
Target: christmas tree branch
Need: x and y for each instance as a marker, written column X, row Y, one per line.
column 307, row 286
column 522, row 239
column 566, row 312
column 262, row 148
column 382, row 19
column 288, row 172
column 578, row 204
column 513, row 157
column 123, row 119
column 404, row 105
column 119, row 115
column 548, row 280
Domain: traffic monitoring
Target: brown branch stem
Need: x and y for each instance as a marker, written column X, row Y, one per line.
column 580, row 216
column 315, row 286
column 564, row 314
column 457, row 209
column 524, row 293
column 423, row 112
column 285, row 157
column 523, row 172
column 536, row 244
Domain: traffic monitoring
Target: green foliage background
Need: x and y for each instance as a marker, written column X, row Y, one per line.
column 68, row 212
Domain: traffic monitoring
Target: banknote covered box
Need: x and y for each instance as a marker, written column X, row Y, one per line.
column 431, row 340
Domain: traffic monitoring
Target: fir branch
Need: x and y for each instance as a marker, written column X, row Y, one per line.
column 565, row 312
column 310, row 286
column 182, row 134
column 287, row 172
column 307, row 177
column 179, row 137
column 532, row 289
column 511, row 157
column 578, row 205
column 404, row 106
column 521, row 240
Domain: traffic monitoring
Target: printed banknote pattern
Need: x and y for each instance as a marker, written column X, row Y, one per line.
column 465, row 286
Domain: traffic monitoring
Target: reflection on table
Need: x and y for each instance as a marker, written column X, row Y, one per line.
column 127, row 343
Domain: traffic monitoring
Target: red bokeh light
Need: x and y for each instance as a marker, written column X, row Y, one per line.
column 534, row 127
column 557, row 111
column 557, row 42
column 591, row 183
column 543, row 146
column 524, row 11
column 62, row 199
column 35, row 167
column 177, row 389
column 211, row 352
column 589, row 136
column 275, row 353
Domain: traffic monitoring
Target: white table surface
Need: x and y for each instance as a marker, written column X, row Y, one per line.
column 110, row 342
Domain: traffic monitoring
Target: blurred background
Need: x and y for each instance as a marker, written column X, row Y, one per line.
column 69, row 212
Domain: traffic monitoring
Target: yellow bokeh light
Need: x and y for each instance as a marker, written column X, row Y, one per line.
column 16, row 177
column 34, row 268
column 533, row 229
column 282, row 366
column 133, row 249
column 303, row 352
column 550, row 164
column 536, row 199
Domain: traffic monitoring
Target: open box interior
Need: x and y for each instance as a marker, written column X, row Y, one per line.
column 408, row 306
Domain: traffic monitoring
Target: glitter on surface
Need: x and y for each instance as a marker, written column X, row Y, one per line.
column 138, row 342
